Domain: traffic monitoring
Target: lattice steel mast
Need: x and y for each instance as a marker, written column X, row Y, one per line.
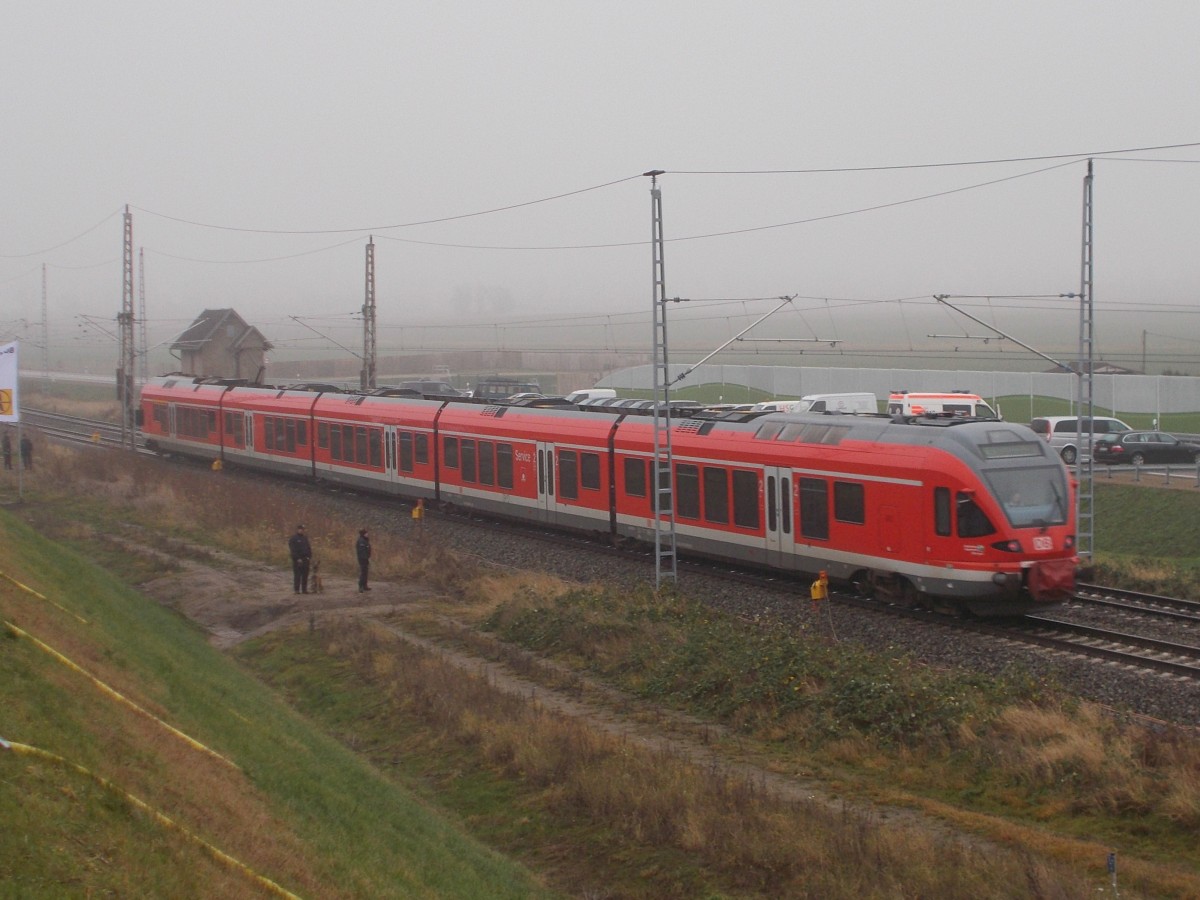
column 143, row 366
column 367, row 379
column 665, row 563
column 125, row 325
column 1085, row 440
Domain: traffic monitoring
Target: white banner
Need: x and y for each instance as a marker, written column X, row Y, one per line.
column 10, row 408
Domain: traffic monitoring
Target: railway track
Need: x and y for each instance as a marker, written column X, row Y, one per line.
column 75, row 430
column 1138, row 602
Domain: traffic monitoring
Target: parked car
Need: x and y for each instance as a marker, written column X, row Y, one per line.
column 432, row 388
column 1063, row 431
column 1143, row 448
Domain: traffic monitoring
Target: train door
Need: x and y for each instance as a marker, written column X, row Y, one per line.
column 545, row 481
column 391, row 461
column 249, row 425
column 777, row 497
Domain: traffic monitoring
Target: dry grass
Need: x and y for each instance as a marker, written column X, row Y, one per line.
column 747, row 837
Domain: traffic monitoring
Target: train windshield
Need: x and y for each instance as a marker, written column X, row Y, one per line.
column 1031, row 497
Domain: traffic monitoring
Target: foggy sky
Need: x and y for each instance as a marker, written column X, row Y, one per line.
column 259, row 144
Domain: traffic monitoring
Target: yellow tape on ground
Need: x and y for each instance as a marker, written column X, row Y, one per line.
column 41, row 596
column 116, row 695
column 161, row 818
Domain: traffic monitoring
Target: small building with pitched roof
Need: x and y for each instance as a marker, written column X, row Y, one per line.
column 220, row 344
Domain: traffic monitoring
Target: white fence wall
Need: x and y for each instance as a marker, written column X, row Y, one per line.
column 1156, row 394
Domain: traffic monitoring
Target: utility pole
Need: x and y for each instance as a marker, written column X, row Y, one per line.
column 367, row 380
column 125, row 328
column 45, row 331
column 143, row 367
column 1085, row 440
column 665, row 563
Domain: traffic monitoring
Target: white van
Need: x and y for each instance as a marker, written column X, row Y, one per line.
column 775, row 406
column 954, row 403
column 862, row 402
column 590, row 394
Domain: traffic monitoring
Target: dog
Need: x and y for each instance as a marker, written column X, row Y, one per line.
column 318, row 586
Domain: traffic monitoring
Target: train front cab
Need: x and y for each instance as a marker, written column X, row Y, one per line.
column 1003, row 531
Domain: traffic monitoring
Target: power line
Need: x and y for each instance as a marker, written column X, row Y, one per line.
column 941, row 165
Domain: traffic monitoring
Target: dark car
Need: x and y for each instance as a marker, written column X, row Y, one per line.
column 1144, row 448
column 432, row 388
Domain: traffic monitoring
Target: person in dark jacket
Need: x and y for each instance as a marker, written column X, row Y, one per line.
column 26, row 453
column 7, row 452
column 362, row 549
column 301, row 551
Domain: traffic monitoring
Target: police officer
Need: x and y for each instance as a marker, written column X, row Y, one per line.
column 362, row 549
column 301, row 551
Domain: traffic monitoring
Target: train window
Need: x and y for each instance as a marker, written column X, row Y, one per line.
column 422, row 449
column 375, row 447
column 771, row 503
column 467, row 458
column 450, row 452
column 635, row 476
column 814, row 508
column 687, row 491
column 972, row 521
column 504, row 465
column 348, row 443
column 487, row 463
column 745, row 499
column 568, row 475
column 768, row 431
column 785, row 491
column 323, row 435
column 589, row 471
column 406, row 451
column 360, row 445
column 541, row 472
column 161, row 416
column 302, row 433
column 941, row 511
column 716, row 495
column 335, row 442
column 849, row 504
column 289, row 435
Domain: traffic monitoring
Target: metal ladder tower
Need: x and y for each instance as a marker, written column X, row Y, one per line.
column 125, row 320
column 665, row 562
column 1084, row 464
column 367, row 381
column 45, row 330
column 143, row 348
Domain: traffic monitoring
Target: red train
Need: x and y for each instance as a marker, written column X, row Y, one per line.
column 969, row 514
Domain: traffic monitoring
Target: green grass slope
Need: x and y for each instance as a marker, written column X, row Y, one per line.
column 293, row 810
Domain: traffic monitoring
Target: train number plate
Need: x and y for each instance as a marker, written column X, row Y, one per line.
column 1043, row 542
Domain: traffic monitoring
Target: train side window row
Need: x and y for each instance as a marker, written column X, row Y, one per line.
column 414, row 450
column 576, row 470
column 717, row 498
column 285, row 433
column 196, row 423
column 479, row 462
column 161, row 416
column 352, row 443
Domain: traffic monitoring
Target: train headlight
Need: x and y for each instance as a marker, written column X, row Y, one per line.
column 1013, row 546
